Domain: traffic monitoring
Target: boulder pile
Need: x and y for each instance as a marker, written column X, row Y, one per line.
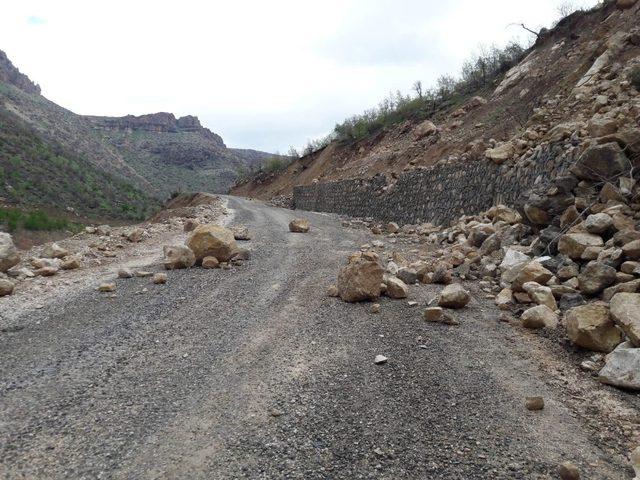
column 568, row 255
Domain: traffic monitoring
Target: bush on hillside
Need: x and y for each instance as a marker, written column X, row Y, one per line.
column 37, row 220
column 476, row 74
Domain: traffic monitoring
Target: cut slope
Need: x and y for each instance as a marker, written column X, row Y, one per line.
column 540, row 87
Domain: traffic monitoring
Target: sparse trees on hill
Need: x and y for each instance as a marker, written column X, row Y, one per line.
column 478, row 72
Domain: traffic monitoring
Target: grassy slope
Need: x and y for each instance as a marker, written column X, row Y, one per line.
column 36, row 171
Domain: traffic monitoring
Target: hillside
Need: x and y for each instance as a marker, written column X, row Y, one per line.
column 518, row 110
column 156, row 154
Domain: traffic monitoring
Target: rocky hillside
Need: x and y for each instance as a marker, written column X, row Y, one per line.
column 550, row 91
column 156, row 154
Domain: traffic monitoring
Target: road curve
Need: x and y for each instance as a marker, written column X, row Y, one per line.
column 256, row 373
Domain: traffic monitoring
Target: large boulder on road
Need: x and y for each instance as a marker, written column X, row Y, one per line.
column 178, row 256
column 8, row 252
column 212, row 241
column 361, row 278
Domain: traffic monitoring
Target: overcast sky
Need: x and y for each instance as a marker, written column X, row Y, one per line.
column 263, row 74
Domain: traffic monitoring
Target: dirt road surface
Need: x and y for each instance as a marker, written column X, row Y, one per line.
column 255, row 373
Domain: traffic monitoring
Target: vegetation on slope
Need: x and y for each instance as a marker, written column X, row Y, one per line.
column 35, row 170
column 13, row 219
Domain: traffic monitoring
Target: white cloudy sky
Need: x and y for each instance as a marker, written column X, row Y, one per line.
column 263, row 74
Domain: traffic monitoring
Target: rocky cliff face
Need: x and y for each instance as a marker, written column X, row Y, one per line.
column 161, row 122
column 11, row 75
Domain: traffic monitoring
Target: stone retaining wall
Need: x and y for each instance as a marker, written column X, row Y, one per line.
column 439, row 194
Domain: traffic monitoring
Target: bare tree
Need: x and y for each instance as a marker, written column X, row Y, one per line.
column 417, row 87
column 566, row 8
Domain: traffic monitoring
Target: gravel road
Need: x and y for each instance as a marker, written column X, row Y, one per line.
column 256, row 373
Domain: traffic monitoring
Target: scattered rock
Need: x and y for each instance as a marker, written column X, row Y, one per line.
column 534, row 403
column 454, row 296
column 600, row 162
column 241, row 232
column 625, row 311
column 6, row 287
column 125, row 273
column 210, row 262
column 540, row 294
column 107, row 287
column 407, row 275
column 380, row 359
column 361, row 278
column 299, row 225
column 396, row 288
column 375, row 308
column 598, row 223
column 504, row 299
column 531, row 272
column 425, row 129
column 439, row 315
column 103, row 230
column 178, row 256
column 159, row 278
column 568, row 471
column 332, row 291
column 9, row 256
column 135, row 235
column 392, row 227
column 591, row 327
column 54, row 250
column 70, row 263
column 47, row 271
column 190, row 224
column 573, row 245
column 539, row 316
column 595, row 277
column 635, row 462
column 622, row 367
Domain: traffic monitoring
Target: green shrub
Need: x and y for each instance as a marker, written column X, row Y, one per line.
column 35, row 221
column 274, row 164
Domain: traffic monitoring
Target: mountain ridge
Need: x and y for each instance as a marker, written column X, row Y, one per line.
column 157, row 153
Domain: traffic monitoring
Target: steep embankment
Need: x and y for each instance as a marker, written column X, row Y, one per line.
column 154, row 153
column 534, row 97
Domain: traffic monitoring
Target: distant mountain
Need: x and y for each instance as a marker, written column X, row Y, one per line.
column 154, row 154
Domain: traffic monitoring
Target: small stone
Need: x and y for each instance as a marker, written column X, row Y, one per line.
column 568, row 471
column 332, row 291
column 396, row 288
column 125, row 273
column 6, row 287
column 299, row 225
column 534, row 403
column 210, row 262
column 107, row 287
column 375, row 308
column 71, row 263
column 159, row 278
column 380, row 359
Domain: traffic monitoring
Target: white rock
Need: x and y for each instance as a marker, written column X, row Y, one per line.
column 380, row 359
column 622, row 367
